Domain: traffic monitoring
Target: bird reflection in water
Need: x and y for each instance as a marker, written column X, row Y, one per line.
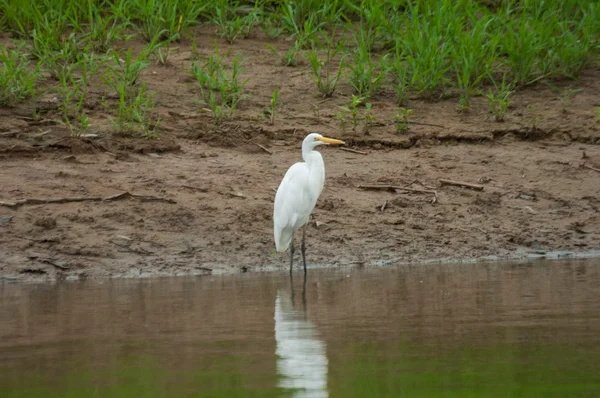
column 301, row 356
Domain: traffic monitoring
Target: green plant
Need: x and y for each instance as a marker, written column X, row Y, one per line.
column 218, row 111
column 134, row 111
column 353, row 110
column 73, row 90
column 102, row 29
column 341, row 116
column 271, row 110
column 231, row 26
column 289, row 57
column 401, row 119
column 366, row 75
column 17, row 79
column 303, row 20
column 373, row 21
column 213, row 79
column 536, row 117
column 58, row 55
column 316, row 110
column 125, row 72
column 523, row 42
column 164, row 18
column 72, row 97
column 499, row 100
column 323, row 76
column 566, row 97
column 369, row 118
column 271, row 25
column 473, row 59
column 425, row 48
column 162, row 53
column 47, row 36
column 400, row 78
column 161, row 49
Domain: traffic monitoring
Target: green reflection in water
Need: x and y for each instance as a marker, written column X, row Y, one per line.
column 356, row 370
column 213, row 374
column 521, row 370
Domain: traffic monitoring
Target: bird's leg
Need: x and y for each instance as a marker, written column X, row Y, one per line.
column 292, row 290
column 304, row 294
column 292, row 254
column 303, row 247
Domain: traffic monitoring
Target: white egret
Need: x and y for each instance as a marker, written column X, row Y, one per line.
column 297, row 195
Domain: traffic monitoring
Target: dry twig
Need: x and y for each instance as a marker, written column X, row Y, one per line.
column 384, row 205
column 195, row 188
column 51, row 262
column 590, row 167
column 353, row 151
column 38, row 201
column 396, row 188
column 263, row 148
column 476, row 187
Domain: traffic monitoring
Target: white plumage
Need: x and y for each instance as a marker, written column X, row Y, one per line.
column 302, row 363
column 297, row 194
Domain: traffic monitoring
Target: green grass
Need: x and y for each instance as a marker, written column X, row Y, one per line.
column 499, row 99
column 221, row 84
column 366, row 74
column 230, row 25
column 351, row 112
column 325, row 73
column 290, row 56
column 17, row 80
column 134, row 108
column 401, row 119
column 426, row 49
column 271, row 110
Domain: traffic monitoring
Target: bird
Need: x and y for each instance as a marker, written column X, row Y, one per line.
column 297, row 195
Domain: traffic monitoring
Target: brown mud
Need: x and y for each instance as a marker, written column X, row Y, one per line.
column 200, row 197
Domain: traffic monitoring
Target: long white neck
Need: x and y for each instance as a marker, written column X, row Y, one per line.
column 314, row 161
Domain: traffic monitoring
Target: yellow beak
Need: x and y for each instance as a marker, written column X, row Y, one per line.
column 326, row 140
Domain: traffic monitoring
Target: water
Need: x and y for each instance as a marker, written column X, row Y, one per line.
column 462, row 330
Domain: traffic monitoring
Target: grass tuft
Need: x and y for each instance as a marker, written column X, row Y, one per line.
column 17, row 78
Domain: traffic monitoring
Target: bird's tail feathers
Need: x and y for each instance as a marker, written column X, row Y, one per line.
column 283, row 239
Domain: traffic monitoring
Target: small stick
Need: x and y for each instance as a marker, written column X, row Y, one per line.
column 421, row 184
column 384, row 205
column 131, row 249
column 461, row 184
column 590, row 167
column 38, row 201
column 51, row 262
column 395, row 188
column 195, row 188
column 263, row 148
column 233, row 194
column 353, row 151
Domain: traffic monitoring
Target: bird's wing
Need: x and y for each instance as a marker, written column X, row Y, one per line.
column 293, row 203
